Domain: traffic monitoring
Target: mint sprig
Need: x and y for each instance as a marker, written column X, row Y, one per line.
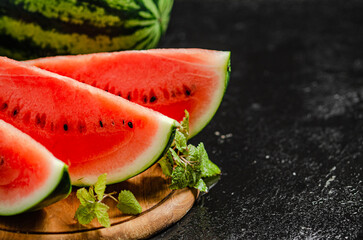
column 91, row 205
column 186, row 164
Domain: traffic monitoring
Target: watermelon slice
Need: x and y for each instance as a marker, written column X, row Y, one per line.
column 92, row 131
column 166, row 80
column 30, row 176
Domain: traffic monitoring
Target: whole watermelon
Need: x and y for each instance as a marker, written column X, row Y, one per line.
column 37, row 28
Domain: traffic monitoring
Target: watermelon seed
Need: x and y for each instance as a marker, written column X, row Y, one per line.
column 15, row 111
column 153, row 99
column 187, row 91
column 129, row 96
column 40, row 120
column 130, row 124
column 145, row 99
column 173, row 94
column 2, row 161
column 119, row 93
column 107, row 87
column 4, row 106
column 123, row 122
column 81, row 127
column 113, row 123
column 65, row 127
column 101, row 124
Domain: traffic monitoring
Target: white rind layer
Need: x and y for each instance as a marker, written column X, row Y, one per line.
column 18, row 139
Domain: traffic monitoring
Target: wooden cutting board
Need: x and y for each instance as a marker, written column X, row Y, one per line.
column 161, row 208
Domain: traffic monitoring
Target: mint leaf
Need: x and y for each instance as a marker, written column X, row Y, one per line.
column 128, row 203
column 100, row 210
column 166, row 165
column 85, row 213
column 178, row 178
column 194, row 153
column 201, row 186
column 208, row 168
column 180, row 142
column 100, row 186
column 85, row 197
column 175, row 157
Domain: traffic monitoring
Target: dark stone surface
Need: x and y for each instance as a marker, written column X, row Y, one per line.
column 289, row 132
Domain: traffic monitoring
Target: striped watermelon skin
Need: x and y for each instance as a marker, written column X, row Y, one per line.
column 38, row 28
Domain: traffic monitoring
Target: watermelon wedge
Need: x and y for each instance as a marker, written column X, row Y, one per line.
column 30, row 176
column 92, row 131
column 166, row 80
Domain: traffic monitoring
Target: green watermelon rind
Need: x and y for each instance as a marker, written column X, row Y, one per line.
column 226, row 68
column 62, row 188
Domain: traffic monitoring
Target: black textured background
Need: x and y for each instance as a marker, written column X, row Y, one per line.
column 289, row 132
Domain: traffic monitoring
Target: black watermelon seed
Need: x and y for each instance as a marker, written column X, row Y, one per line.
column 123, row 122
column 153, row 99
column 65, row 127
column 129, row 96
column 101, row 124
column 130, row 124
column 37, row 119
column 4, row 106
column 113, row 123
column 145, row 99
column 2, row 161
column 187, row 90
column 15, row 111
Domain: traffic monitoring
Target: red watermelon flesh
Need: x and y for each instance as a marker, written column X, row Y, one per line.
column 166, row 80
column 90, row 130
column 29, row 173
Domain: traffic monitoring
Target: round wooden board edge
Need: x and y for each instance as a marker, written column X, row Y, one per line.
column 170, row 210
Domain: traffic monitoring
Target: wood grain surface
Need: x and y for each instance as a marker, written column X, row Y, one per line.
column 161, row 208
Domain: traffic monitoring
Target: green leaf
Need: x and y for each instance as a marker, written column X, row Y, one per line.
column 85, row 197
column 180, row 142
column 166, row 166
column 91, row 192
column 100, row 210
column 128, row 203
column 178, row 178
column 85, row 213
column 208, row 168
column 194, row 155
column 184, row 125
column 176, row 159
column 100, row 186
column 201, row 186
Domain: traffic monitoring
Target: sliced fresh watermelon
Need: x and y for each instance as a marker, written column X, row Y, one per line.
column 30, row 176
column 166, row 80
column 92, row 131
